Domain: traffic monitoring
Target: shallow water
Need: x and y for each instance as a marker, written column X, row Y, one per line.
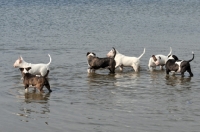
column 126, row 101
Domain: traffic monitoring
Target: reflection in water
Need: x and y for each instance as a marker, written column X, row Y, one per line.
column 100, row 79
column 36, row 97
column 36, row 107
column 156, row 75
column 132, row 79
column 178, row 80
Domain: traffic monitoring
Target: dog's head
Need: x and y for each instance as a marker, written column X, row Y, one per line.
column 25, row 70
column 18, row 62
column 112, row 53
column 90, row 54
column 156, row 60
column 173, row 57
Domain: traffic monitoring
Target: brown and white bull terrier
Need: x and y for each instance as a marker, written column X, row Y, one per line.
column 38, row 82
column 95, row 63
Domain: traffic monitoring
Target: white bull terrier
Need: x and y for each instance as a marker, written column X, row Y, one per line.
column 36, row 69
column 125, row 61
column 158, row 60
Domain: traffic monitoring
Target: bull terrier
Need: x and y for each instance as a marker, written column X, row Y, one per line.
column 38, row 82
column 36, row 69
column 158, row 60
column 125, row 61
column 181, row 66
column 96, row 63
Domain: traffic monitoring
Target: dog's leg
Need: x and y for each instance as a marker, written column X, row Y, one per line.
column 26, row 88
column 112, row 70
column 40, row 87
column 167, row 71
column 161, row 67
column 190, row 72
column 47, row 85
column 182, row 74
column 136, row 68
column 121, row 68
column 90, row 70
column 152, row 68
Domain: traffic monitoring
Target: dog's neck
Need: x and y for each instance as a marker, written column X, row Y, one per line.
column 118, row 54
column 90, row 58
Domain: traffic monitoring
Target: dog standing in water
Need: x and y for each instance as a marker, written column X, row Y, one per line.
column 158, row 60
column 38, row 82
column 36, row 69
column 125, row 61
column 181, row 66
column 95, row 63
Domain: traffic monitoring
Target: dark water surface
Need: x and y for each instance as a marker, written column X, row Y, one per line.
column 123, row 102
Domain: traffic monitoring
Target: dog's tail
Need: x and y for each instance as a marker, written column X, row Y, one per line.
column 115, row 52
column 170, row 52
column 192, row 57
column 50, row 59
column 141, row 54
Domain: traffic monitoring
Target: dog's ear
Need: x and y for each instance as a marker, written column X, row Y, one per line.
column 28, row 68
column 94, row 54
column 159, row 57
column 114, row 51
column 154, row 57
column 113, row 48
column 20, row 59
column 87, row 53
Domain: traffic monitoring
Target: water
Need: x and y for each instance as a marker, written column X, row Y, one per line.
column 128, row 101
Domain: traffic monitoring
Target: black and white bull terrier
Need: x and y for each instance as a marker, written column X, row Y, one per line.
column 95, row 63
column 175, row 65
column 125, row 61
column 158, row 60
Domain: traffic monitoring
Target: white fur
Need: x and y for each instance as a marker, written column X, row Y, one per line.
column 161, row 60
column 36, row 69
column 178, row 63
column 126, row 61
column 170, row 57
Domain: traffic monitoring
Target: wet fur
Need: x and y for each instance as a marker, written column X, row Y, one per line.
column 38, row 82
column 95, row 63
column 176, row 65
